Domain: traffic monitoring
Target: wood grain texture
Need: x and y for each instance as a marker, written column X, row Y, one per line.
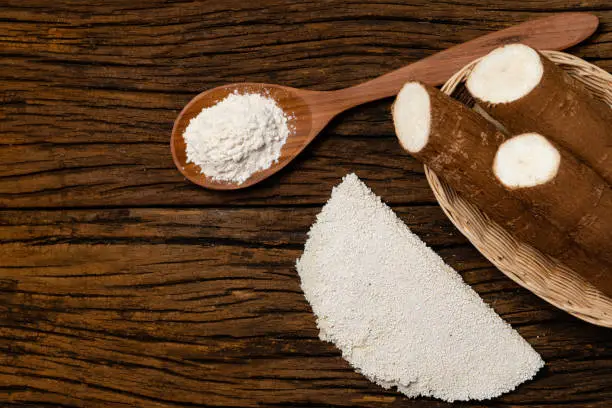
column 121, row 284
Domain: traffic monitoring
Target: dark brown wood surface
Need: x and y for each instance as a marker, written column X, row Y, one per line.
column 121, row 284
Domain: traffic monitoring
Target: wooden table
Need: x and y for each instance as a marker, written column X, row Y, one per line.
column 121, row 284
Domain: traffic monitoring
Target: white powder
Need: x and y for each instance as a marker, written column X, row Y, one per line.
column 240, row 135
column 399, row 314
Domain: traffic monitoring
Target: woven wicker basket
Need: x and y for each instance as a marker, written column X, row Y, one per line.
column 541, row 274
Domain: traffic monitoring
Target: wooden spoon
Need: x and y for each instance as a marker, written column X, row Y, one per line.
column 312, row 110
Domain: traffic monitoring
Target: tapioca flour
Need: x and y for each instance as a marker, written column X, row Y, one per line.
column 238, row 136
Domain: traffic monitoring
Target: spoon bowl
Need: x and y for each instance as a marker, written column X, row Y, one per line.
column 310, row 111
column 294, row 102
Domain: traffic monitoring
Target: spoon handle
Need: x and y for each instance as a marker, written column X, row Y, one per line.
column 555, row 32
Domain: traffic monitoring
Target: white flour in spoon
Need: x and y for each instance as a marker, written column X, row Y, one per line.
column 399, row 314
column 240, row 135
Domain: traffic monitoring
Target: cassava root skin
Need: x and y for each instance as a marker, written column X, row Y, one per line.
column 460, row 148
column 574, row 198
column 557, row 106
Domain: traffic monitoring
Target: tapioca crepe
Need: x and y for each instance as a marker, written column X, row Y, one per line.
column 399, row 314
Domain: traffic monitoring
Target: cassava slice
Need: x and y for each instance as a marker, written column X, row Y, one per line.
column 527, row 92
column 560, row 188
column 459, row 145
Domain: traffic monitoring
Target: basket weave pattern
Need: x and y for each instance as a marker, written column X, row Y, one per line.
column 541, row 274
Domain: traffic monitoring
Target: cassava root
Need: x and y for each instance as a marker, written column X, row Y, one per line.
column 526, row 92
column 560, row 188
column 459, row 145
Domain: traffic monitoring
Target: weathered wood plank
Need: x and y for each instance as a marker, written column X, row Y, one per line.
column 270, row 227
column 144, row 175
column 159, row 314
column 90, row 91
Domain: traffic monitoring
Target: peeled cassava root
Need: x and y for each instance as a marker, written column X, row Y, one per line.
column 527, row 92
column 559, row 187
column 460, row 146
